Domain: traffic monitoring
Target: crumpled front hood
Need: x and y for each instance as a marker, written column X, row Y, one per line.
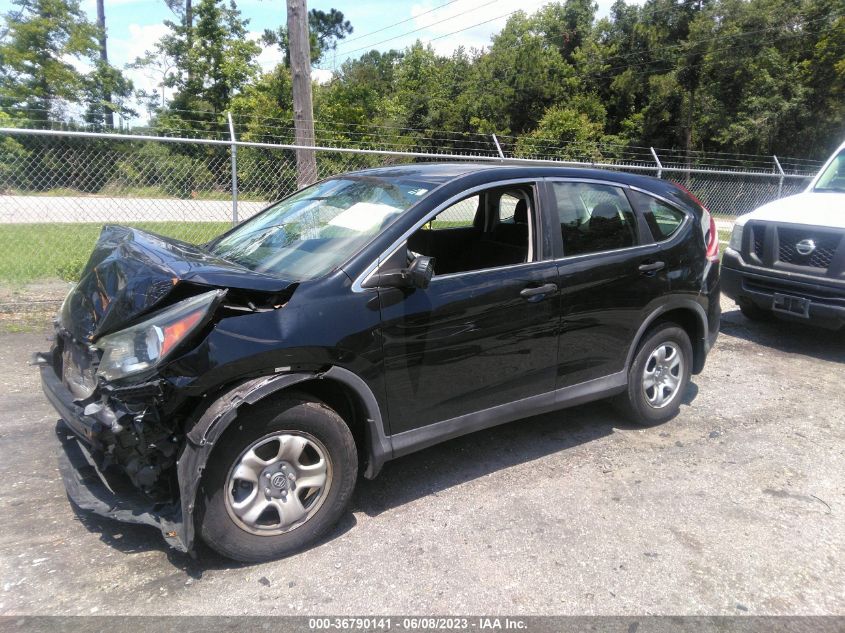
column 131, row 272
column 817, row 209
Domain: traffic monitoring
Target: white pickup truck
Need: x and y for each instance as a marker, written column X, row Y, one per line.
column 787, row 258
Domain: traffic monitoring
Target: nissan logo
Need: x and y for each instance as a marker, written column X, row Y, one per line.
column 805, row 247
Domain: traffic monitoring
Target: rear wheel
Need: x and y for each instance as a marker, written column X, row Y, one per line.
column 659, row 376
column 281, row 477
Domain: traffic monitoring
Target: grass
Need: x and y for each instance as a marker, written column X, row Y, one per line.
column 29, row 252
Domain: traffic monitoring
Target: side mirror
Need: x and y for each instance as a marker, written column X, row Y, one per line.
column 418, row 274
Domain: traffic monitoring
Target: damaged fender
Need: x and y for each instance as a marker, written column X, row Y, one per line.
column 214, row 421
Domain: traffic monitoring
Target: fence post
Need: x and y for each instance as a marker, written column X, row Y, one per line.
column 657, row 160
column 498, row 147
column 780, row 179
column 234, row 152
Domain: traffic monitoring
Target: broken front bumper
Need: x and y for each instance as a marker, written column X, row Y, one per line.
column 106, row 492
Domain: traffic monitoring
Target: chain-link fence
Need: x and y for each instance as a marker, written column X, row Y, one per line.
column 57, row 189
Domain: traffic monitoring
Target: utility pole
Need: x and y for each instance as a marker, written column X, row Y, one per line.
column 189, row 32
column 299, row 41
column 108, row 115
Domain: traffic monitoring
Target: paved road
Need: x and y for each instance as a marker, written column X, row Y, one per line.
column 737, row 506
column 19, row 209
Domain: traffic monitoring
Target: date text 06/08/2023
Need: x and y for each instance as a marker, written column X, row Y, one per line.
column 417, row 623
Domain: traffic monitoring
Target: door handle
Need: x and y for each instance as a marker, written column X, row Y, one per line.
column 651, row 267
column 546, row 289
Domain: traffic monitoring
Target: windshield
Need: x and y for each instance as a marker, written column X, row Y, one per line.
column 317, row 229
column 833, row 178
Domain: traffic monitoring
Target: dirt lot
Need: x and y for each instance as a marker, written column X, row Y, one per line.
column 737, row 506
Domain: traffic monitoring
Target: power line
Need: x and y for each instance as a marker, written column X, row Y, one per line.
column 422, row 28
column 390, row 26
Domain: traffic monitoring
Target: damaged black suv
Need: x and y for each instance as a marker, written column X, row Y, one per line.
column 232, row 390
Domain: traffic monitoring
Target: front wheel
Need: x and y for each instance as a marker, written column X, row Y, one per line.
column 659, row 376
column 281, row 477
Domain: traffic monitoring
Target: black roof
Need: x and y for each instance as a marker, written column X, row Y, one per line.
column 482, row 172
column 445, row 172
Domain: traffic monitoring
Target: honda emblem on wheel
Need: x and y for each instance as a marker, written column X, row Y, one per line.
column 805, row 246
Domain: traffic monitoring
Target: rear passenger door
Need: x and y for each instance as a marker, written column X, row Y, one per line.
column 610, row 274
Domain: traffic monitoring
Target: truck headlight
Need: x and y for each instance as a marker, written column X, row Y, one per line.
column 736, row 238
column 148, row 343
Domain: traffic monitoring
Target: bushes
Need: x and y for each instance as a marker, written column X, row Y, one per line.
column 156, row 166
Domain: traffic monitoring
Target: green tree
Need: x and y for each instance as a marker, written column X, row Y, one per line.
column 821, row 125
column 220, row 62
column 106, row 91
column 512, row 84
column 427, row 87
column 41, row 37
column 326, row 30
column 571, row 133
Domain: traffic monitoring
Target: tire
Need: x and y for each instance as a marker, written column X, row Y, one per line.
column 752, row 312
column 660, row 402
column 261, row 497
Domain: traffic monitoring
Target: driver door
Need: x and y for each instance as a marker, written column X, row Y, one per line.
column 484, row 332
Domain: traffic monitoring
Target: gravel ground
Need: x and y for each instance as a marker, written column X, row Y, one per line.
column 737, row 506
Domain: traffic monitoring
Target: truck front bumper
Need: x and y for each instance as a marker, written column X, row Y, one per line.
column 821, row 303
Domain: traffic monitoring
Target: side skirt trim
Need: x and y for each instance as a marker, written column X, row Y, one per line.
column 417, row 439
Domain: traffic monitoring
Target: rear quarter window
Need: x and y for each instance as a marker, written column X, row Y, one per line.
column 662, row 219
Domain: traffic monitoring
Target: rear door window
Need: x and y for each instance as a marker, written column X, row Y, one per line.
column 594, row 218
column 662, row 219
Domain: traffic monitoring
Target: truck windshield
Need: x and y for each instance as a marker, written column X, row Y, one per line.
column 833, row 178
column 317, row 229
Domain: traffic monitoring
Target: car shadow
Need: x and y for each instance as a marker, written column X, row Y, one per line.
column 478, row 454
column 445, row 465
column 786, row 336
column 132, row 538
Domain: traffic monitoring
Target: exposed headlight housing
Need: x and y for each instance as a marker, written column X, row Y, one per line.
column 145, row 345
column 736, row 238
column 64, row 310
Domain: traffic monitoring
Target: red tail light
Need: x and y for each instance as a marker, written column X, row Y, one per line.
column 712, row 240
column 708, row 227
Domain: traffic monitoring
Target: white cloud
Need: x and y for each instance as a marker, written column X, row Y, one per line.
column 142, row 38
column 271, row 56
column 321, row 75
column 81, row 64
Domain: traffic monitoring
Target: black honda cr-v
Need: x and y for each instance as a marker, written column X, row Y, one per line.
column 234, row 389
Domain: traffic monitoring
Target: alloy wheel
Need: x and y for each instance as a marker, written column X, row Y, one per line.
column 278, row 483
column 663, row 374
